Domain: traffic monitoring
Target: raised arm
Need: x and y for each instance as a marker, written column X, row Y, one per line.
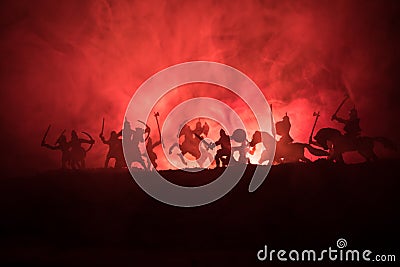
column 104, row 140
column 51, row 147
column 341, row 120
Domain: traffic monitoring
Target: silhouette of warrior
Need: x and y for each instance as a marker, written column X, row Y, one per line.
column 191, row 143
column 115, row 149
column 152, row 156
column 283, row 129
column 239, row 136
column 286, row 150
column 78, row 153
column 62, row 145
column 224, row 153
column 351, row 125
column 199, row 130
column 131, row 140
column 150, row 151
column 337, row 144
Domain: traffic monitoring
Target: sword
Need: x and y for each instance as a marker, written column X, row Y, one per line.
column 340, row 106
column 45, row 135
column 209, row 145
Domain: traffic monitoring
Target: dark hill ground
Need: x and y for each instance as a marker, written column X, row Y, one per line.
column 102, row 217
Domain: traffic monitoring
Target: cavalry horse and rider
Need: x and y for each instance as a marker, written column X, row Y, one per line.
column 331, row 142
column 194, row 143
column 134, row 139
column 286, row 150
column 337, row 143
column 327, row 142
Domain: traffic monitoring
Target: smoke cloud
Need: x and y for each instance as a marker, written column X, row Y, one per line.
column 71, row 63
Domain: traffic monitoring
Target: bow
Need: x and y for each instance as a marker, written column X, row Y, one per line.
column 58, row 139
column 147, row 129
column 102, row 128
column 91, row 139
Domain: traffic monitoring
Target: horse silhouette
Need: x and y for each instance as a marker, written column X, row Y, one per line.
column 284, row 152
column 191, row 144
column 337, row 143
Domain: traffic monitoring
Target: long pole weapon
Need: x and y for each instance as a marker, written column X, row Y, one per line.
column 316, row 115
column 156, row 114
column 340, row 106
column 59, row 137
column 45, row 135
column 102, row 128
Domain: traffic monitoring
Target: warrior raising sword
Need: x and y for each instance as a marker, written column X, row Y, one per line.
column 115, row 148
column 131, row 140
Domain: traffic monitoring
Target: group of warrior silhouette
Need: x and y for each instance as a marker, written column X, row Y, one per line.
column 328, row 142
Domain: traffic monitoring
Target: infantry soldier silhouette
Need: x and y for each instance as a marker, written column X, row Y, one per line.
column 78, row 153
column 152, row 156
column 62, row 145
column 240, row 136
column 283, row 129
column 115, row 148
column 224, row 153
column 131, row 140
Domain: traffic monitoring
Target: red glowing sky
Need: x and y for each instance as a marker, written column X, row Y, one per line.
column 71, row 63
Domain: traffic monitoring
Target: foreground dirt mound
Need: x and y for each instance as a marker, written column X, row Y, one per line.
column 101, row 217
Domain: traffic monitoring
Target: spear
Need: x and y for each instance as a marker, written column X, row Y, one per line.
column 102, row 128
column 340, row 106
column 58, row 139
column 156, row 114
column 45, row 135
column 316, row 115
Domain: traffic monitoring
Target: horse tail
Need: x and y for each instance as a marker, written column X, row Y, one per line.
column 389, row 144
column 315, row 151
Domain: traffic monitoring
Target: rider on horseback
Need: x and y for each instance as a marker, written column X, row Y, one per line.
column 283, row 129
column 352, row 125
